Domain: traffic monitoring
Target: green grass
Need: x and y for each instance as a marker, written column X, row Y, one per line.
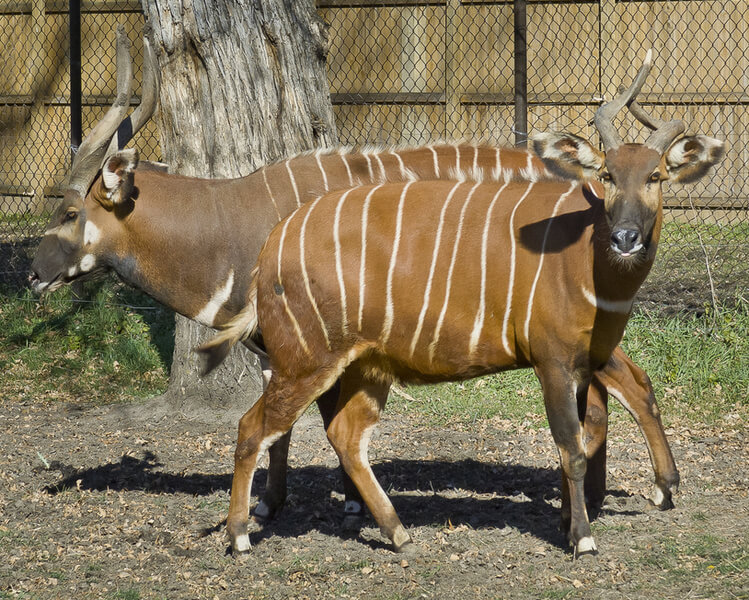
column 105, row 352
column 97, row 351
column 698, row 365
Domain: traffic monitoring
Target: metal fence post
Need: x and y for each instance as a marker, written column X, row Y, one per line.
column 521, row 74
column 76, row 119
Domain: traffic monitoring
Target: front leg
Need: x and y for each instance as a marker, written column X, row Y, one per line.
column 563, row 394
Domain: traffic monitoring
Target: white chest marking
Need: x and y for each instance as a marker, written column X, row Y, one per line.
column 87, row 263
column 208, row 313
column 616, row 306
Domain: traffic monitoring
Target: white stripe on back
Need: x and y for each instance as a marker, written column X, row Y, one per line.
column 532, row 295
column 478, row 323
column 448, row 282
column 270, row 194
column 436, row 162
column 362, row 262
column 388, row 324
column 338, row 260
column 511, row 283
column 435, row 252
column 348, row 169
column 305, row 276
column 401, row 166
column 293, row 184
column 322, row 171
column 290, row 314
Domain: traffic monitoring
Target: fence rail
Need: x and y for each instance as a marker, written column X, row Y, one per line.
column 414, row 71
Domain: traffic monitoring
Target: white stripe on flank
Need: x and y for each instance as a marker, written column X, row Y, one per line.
column 338, row 261
column 532, row 295
column 364, row 218
column 293, row 184
column 436, row 162
column 511, row 284
column 448, row 282
column 348, row 169
column 270, row 194
column 435, row 251
column 305, row 276
column 388, row 324
column 207, row 314
column 322, row 170
column 478, row 323
column 616, row 306
column 401, row 166
column 294, row 322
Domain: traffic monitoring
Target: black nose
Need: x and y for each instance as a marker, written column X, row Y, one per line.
column 625, row 241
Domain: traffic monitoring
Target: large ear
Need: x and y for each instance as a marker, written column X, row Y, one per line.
column 117, row 177
column 689, row 158
column 568, row 155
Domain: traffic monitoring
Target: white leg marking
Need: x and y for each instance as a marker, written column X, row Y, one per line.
column 403, row 173
column 657, row 497
column 305, row 275
column 478, row 323
column 322, row 170
column 292, row 318
column 270, row 194
column 532, row 295
column 436, row 162
column 91, row 234
column 435, row 251
column 362, row 262
column 586, row 544
column 87, row 263
column 339, row 262
column 448, row 282
column 348, row 169
column 262, row 510
column 511, row 284
column 388, row 324
column 71, row 272
column 616, row 306
column 293, row 183
column 207, row 314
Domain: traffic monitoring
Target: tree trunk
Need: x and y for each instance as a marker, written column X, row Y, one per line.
column 242, row 84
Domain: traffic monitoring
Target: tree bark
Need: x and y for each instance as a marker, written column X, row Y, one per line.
column 242, row 84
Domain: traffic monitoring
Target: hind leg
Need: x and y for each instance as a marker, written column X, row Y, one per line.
column 359, row 408
column 268, row 420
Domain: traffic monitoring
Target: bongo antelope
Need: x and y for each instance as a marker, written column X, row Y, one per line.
column 428, row 281
column 118, row 214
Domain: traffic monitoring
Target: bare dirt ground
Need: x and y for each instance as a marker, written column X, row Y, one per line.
column 95, row 505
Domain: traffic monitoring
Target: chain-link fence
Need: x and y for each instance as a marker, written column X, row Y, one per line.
column 412, row 71
column 415, row 71
column 37, row 44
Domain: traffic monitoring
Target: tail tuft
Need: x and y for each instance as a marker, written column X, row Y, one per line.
column 240, row 328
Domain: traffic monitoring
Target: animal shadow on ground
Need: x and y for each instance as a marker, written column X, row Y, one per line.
column 463, row 492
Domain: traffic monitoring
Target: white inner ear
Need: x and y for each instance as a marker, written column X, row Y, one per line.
column 677, row 154
column 128, row 162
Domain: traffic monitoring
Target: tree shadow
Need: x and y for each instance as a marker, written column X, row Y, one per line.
column 465, row 492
